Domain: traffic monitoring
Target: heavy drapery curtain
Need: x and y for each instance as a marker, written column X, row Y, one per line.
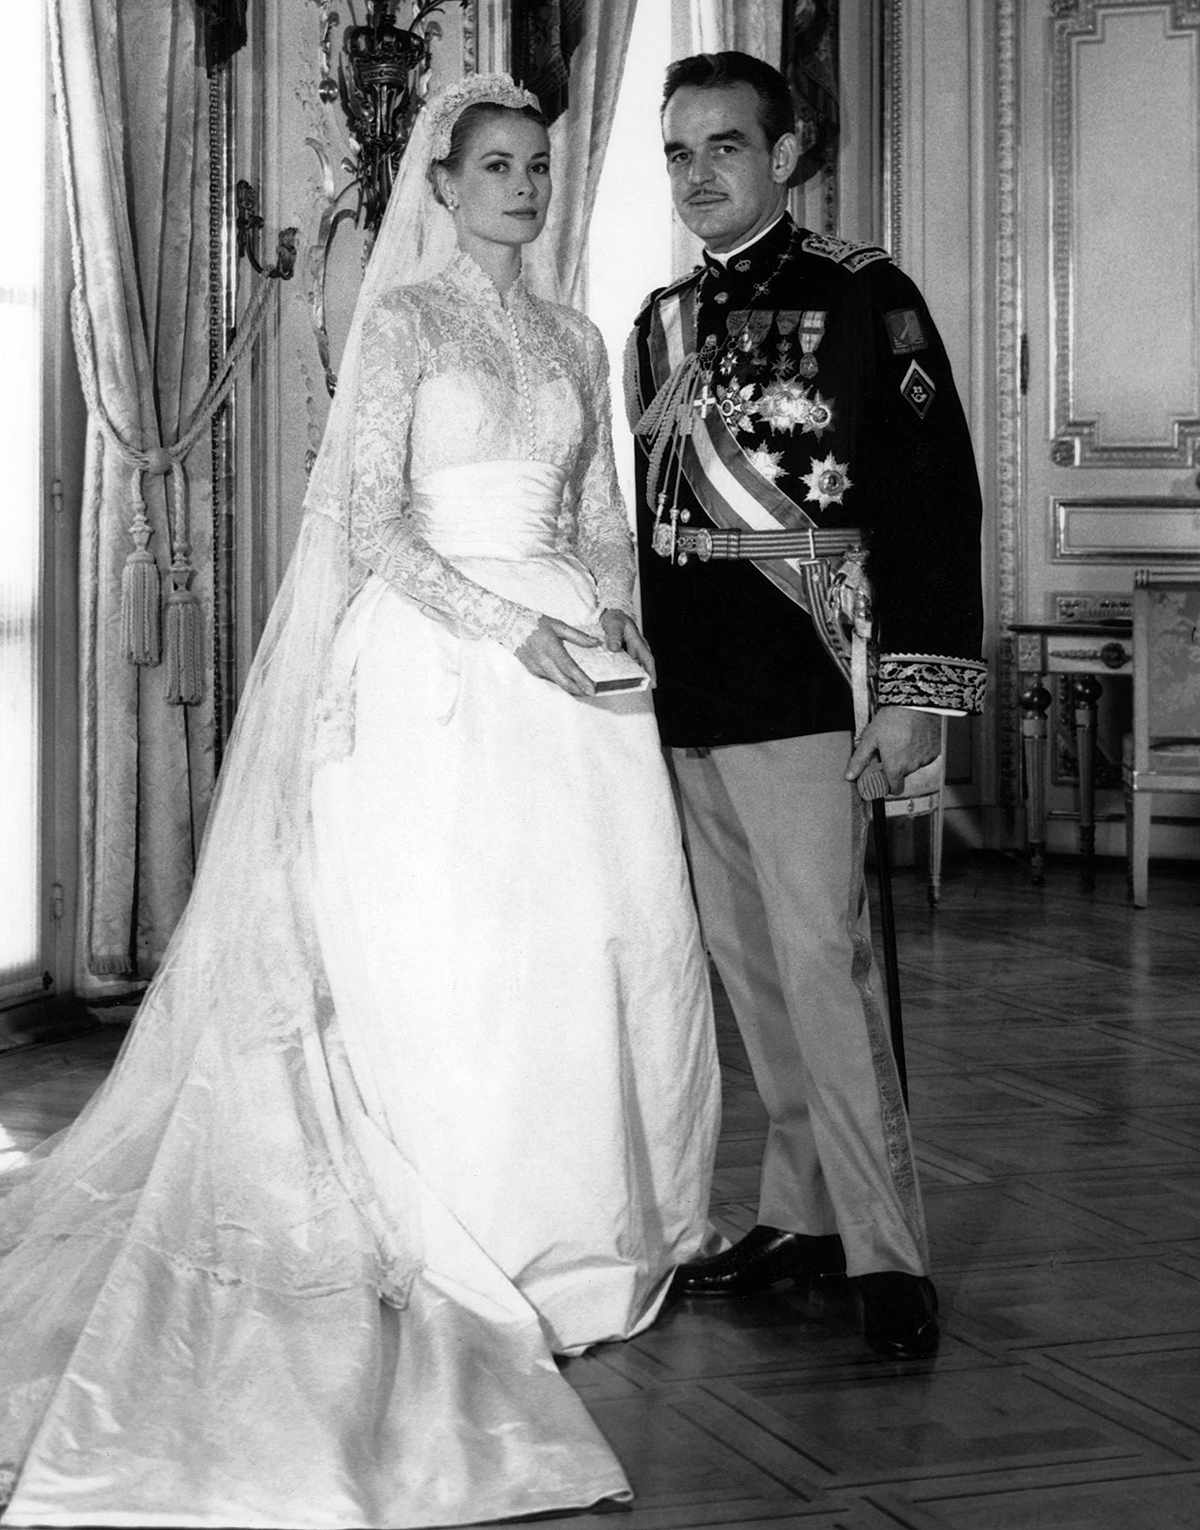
column 578, row 140
column 133, row 111
column 716, row 26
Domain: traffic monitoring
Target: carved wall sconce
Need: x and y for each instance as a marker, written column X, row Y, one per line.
column 250, row 225
column 382, row 72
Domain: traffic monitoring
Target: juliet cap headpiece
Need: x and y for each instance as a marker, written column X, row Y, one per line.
column 448, row 105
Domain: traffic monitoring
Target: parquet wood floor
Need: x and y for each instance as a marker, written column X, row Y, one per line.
column 1054, row 1062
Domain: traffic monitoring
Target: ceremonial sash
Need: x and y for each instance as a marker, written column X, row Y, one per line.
column 731, row 490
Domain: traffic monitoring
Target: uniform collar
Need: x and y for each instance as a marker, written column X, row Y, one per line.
column 766, row 246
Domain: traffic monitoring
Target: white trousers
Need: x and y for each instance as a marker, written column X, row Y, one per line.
column 776, row 838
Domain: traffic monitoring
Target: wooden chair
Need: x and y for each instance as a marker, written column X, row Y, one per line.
column 923, row 795
column 1162, row 754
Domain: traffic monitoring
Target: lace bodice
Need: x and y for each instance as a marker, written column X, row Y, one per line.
column 451, row 375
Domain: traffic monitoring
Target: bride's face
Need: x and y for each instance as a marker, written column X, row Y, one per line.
column 502, row 186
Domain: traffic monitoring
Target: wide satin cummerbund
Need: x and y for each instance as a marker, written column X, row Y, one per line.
column 500, row 509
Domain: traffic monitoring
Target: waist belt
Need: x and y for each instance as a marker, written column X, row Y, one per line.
column 810, row 546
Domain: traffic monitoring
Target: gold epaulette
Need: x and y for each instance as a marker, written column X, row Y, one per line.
column 844, row 252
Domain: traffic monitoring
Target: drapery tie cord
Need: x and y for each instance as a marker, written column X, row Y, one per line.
column 140, row 582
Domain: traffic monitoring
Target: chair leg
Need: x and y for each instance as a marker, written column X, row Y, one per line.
column 1139, row 842
column 936, row 823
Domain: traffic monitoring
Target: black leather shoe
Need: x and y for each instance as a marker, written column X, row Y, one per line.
column 761, row 1259
column 899, row 1314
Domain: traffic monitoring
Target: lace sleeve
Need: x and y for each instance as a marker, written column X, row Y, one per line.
column 383, row 536
column 603, row 539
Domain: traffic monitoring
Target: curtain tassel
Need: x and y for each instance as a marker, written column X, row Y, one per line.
column 185, row 639
column 140, row 589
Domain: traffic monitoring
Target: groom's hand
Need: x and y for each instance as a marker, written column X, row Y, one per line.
column 903, row 738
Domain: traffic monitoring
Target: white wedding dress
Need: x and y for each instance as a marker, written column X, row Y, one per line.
column 426, row 1091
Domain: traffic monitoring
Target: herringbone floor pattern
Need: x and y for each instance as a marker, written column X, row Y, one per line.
column 1054, row 1062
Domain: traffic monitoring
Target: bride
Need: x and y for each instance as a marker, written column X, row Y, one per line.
column 425, row 1091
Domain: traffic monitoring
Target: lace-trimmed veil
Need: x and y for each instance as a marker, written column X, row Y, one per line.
column 416, row 239
column 233, row 1082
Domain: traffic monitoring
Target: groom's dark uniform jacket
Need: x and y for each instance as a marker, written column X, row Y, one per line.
column 886, row 449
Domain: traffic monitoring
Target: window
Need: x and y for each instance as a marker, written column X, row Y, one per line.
column 22, row 108
column 630, row 244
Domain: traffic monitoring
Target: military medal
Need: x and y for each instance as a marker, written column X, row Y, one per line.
column 812, row 332
column 737, row 405
column 768, row 463
column 820, row 415
column 758, row 324
column 783, row 406
column 827, row 482
column 705, row 400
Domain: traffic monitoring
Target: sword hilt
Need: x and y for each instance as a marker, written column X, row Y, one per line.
column 872, row 783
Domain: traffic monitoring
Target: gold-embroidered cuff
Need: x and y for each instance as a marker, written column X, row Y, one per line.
column 931, row 680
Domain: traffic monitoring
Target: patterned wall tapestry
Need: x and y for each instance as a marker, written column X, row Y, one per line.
column 224, row 23
column 810, row 61
column 545, row 33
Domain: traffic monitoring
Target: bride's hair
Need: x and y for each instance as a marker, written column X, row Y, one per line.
column 468, row 121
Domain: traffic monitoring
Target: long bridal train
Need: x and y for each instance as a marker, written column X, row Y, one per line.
column 425, row 1091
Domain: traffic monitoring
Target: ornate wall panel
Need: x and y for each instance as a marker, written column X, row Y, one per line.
column 1126, row 231
column 1126, row 530
column 936, row 190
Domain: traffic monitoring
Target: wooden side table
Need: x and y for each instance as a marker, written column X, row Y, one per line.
column 1086, row 651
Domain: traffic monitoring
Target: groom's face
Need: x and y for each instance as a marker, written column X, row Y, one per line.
column 726, row 182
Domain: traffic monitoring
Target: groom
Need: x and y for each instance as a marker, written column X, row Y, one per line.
column 796, row 381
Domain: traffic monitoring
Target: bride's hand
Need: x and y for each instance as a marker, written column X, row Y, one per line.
column 621, row 631
column 545, row 655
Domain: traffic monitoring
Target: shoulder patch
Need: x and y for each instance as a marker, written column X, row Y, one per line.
column 904, row 331
column 844, row 252
column 918, row 389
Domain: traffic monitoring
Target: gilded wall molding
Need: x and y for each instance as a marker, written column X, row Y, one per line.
column 892, row 70
column 221, row 294
column 1009, row 323
column 1077, row 440
column 1154, row 527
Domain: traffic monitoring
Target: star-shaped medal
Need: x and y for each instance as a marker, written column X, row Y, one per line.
column 783, row 406
column 786, row 404
column 736, row 405
column 768, row 463
column 827, row 482
column 820, row 415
